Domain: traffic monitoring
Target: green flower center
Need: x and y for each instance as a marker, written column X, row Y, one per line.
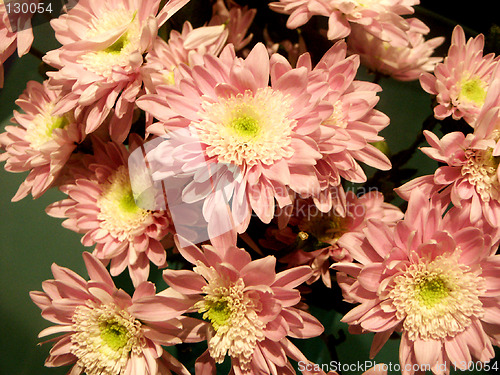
column 218, row 313
column 41, row 130
column 245, row 126
column 58, row 122
column 118, row 46
column 248, row 128
column 120, row 192
column 117, row 54
column 114, row 335
column 473, row 90
column 127, row 203
column 119, row 213
column 432, row 291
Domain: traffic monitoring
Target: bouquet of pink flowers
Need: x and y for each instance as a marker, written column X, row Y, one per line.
column 224, row 164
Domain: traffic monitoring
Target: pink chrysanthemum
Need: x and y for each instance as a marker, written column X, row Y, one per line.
column 344, row 137
column 380, row 18
column 248, row 309
column 431, row 278
column 471, row 176
column 101, row 55
column 404, row 63
column 186, row 47
column 299, row 134
column 104, row 330
column 101, row 205
column 461, row 82
column 225, row 113
column 18, row 36
column 321, row 239
column 42, row 142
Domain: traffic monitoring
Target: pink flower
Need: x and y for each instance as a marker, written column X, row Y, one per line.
column 380, row 18
column 224, row 114
column 431, row 278
column 104, row 330
column 471, row 177
column 187, row 47
column 461, row 82
column 262, row 142
column 101, row 55
column 344, row 137
column 404, row 63
column 42, row 142
column 247, row 307
column 101, row 206
column 468, row 179
column 18, row 36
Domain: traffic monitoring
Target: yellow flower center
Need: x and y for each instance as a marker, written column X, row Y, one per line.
column 113, row 334
column 41, row 129
column 432, row 291
column 119, row 214
column 248, row 128
column 117, row 54
column 104, row 338
column 437, row 299
column 232, row 312
column 218, row 313
column 245, row 126
column 481, row 171
column 473, row 90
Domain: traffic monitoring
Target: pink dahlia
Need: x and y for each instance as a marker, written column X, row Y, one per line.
column 101, row 55
column 320, row 239
column 404, row 63
column 101, row 206
column 225, row 117
column 12, row 36
column 247, row 307
column 41, row 142
column 461, row 82
column 430, row 278
column 344, row 137
column 380, row 18
column 104, row 330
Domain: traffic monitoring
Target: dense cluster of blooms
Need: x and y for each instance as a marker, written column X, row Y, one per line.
column 187, row 143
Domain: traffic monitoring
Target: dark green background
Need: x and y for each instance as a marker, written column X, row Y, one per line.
column 30, row 241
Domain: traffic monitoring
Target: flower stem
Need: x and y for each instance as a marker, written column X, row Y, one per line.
column 37, row 53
